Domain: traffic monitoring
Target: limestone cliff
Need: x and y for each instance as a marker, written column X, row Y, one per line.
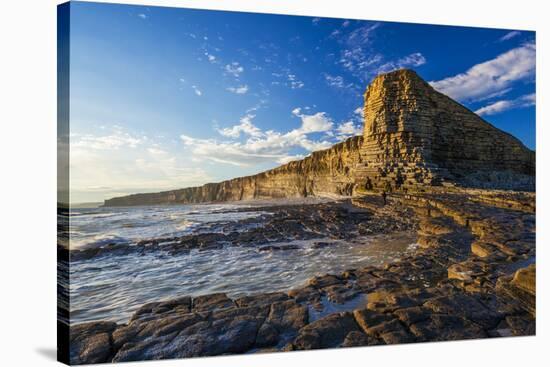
column 329, row 171
column 414, row 137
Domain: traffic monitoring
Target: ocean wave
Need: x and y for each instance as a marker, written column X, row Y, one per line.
column 98, row 241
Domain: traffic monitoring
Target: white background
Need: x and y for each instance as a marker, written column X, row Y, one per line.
column 28, row 182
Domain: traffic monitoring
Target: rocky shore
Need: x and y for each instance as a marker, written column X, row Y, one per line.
column 275, row 223
column 472, row 276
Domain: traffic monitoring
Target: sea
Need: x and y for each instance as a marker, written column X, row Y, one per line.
column 112, row 287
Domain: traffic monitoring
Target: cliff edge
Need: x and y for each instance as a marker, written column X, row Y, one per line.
column 414, row 137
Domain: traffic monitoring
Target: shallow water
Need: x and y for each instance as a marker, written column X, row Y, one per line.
column 96, row 227
column 113, row 287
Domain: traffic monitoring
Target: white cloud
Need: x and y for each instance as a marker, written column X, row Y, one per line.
column 142, row 16
column 211, row 58
column 156, row 151
column 360, row 112
column 261, row 146
column 315, row 21
column 509, row 36
column 348, row 129
column 317, row 122
column 117, row 139
column 197, row 90
column 334, row 81
column 492, row 76
column 362, row 35
column 245, row 127
column 413, row 60
column 504, row 105
column 234, row 69
column 294, row 82
column 359, row 62
column 495, row 108
column 238, row 90
column 119, row 162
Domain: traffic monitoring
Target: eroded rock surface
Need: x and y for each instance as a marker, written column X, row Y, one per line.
column 447, row 290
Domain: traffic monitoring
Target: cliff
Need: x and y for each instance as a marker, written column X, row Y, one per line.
column 414, row 137
column 329, row 171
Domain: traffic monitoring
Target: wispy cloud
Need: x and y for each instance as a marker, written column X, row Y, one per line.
column 197, row 91
column 262, row 146
column 362, row 35
column 142, row 16
column 211, row 58
column 359, row 112
column 492, row 76
column 238, row 90
column 359, row 58
column 234, row 69
column 335, row 81
column 504, row 105
column 509, row 36
column 413, row 60
column 115, row 140
column 118, row 161
column 295, row 83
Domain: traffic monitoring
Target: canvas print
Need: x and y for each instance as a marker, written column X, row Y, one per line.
column 237, row 183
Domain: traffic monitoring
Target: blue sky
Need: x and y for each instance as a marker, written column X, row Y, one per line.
column 164, row 98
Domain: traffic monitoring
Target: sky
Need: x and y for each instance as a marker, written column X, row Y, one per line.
column 165, row 98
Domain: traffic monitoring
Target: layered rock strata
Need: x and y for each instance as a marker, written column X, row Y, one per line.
column 414, row 138
column 325, row 172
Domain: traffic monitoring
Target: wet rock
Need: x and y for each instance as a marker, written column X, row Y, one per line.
column 267, row 336
column 319, row 245
column 412, row 315
column 180, row 305
column 446, row 327
column 287, row 316
column 90, row 342
column 391, row 331
column 526, row 279
column 328, row 332
column 483, row 249
column 278, row 248
column 324, row 281
column 261, row 299
column 212, row 301
column 521, row 325
column 466, row 271
column 235, row 312
column 385, row 301
column 359, row 339
column 228, row 335
column 399, row 336
column 140, row 329
column 368, row 320
column 340, row 293
column 305, row 294
column 519, row 289
column 466, row 307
